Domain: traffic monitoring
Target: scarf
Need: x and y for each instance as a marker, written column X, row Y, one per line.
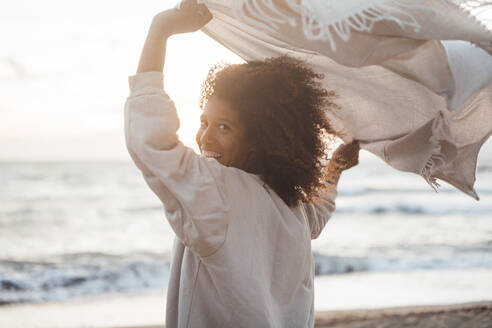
column 413, row 77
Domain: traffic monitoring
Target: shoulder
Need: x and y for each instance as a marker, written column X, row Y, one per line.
column 235, row 181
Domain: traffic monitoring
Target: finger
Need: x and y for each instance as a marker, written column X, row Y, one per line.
column 353, row 146
column 202, row 9
column 188, row 5
column 204, row 12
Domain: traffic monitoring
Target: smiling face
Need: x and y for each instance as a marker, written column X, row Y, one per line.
column 222, row 134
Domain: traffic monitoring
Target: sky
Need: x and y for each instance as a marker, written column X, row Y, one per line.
column 63, row 76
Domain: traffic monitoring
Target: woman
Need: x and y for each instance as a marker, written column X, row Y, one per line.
column 244, row 212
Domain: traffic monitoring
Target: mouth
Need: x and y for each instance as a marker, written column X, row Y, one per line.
column 211, row 154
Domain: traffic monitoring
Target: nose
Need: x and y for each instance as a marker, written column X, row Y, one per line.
column 206, row 136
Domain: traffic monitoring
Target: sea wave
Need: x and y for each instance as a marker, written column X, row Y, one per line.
column 88, row 274
column 466, row 258
column 413, row 208
column 355, row 190
column 76, row 275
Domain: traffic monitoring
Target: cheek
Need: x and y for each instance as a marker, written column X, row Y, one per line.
column 238, row 152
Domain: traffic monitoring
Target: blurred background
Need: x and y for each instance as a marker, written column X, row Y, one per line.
column 77, row 219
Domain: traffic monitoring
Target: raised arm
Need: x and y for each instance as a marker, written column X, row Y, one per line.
column 343, row 158
column 186, row 183
column 190, row 17
column 318, row 213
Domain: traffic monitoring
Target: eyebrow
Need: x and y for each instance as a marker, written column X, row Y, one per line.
column 204, row 116
column 227, row 121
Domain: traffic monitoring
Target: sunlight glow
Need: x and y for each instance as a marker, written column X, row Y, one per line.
column 64, row 69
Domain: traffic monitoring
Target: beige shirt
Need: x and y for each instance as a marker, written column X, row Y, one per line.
column 242, row 257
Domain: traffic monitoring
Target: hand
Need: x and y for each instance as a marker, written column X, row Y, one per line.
column 189, row 17
column 346, row 156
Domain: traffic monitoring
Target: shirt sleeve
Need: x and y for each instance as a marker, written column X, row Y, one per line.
column 319, row 212
column 184, row 181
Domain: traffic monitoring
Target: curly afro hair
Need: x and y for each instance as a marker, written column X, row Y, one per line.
column 282, row 104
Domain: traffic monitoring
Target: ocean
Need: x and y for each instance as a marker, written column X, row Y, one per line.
column 70, row 229
column 78, row 221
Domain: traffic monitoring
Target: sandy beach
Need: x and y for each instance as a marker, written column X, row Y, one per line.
column 469, row 315
column 147, row 311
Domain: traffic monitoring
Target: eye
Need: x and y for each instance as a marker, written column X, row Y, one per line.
column 203, row 123
column 223, row 127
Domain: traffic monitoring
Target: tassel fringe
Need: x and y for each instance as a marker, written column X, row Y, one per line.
column 324, row 19
column 437, row 160
column 481, row 12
